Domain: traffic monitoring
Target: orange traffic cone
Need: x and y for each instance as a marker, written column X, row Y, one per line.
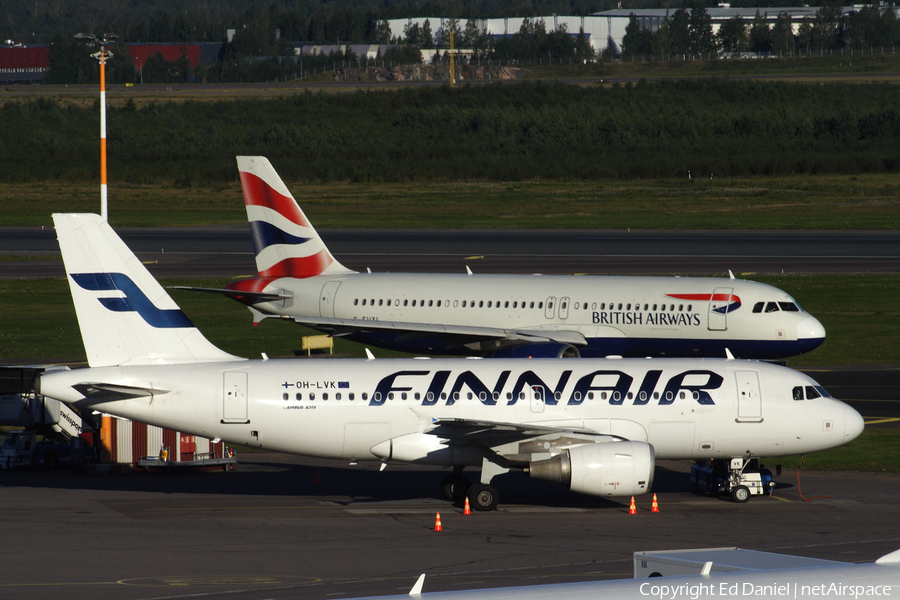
column 655, row 507
column 466, row 510
column 631, row 509
column 437, row 523
column 317, row 481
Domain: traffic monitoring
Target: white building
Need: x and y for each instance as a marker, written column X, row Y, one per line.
column 600, row 27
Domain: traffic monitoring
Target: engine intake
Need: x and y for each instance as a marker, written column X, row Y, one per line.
column 604, row 469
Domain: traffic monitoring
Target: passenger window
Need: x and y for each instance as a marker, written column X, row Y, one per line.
column 351, row 396
column 521, row 395
column 365, row 396
column 443, row 395
column 299, row 396
column 390, row 395
column 482, row 396
column 532, row 305
column 403, row 396
column 514, row 304
column 414, row 303
column 811, row 393
column 557, row 396
column 577, row 396
column 430, row 303
column 772, row 307
column 789, row 307
column 590, row 395
column 325, row 396
column 283, row 396
column 364, row 301
column 540, row 305
column 798, row 392
column 603, row 395
column 312, row 396
column 355, row 301
column 463, row 304
column 380, row 302
column 417, row 396
column 654, row 307
column 429, row 396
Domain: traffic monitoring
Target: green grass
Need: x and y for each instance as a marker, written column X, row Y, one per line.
column 876, row 450
column 822, row 203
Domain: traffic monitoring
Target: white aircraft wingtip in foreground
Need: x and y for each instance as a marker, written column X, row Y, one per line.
column 595, row 425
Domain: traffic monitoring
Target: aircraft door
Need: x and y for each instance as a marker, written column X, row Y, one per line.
column 749, row 399
column 537, row 399
column 563, row 308
column 550, row 307
column 234, row 397
column 719, row 304
column 326, row 299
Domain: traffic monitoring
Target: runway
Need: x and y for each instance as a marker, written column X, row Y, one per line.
column 227, row 251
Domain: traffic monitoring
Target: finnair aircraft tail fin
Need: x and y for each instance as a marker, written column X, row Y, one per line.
column 285, row 242
column 125, row 316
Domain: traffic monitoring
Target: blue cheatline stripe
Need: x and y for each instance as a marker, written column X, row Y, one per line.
column 265, row 235
column 134, row 300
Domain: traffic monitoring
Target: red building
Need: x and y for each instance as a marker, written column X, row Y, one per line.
column 20, row 64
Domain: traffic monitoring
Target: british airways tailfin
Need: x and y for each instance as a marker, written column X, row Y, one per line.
column 125, row 316
column 285, row 242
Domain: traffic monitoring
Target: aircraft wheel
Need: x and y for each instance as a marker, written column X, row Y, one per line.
column 740, row 494
column 483, row 497
column 455, row 486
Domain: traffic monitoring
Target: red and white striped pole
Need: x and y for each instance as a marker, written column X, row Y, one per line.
column 91, row 39
column 103, row 190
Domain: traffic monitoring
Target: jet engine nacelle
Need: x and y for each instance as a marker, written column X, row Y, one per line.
column 543, row 350
column 603, row 469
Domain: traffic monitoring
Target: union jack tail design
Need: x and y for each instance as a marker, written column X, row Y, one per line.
column 285, row 242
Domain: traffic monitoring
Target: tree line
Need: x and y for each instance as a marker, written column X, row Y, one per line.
column 688, row 31
column 501, row 133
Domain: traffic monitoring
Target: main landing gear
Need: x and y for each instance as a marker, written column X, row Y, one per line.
column 482, row 496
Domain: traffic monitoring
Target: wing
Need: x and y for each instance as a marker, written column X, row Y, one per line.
column 516, row 442
column 448, row 334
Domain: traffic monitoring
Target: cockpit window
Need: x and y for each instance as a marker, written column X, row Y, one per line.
column 812, row 393
column 822, row 391
column 772, row 307
column 757, row 308
column 789, row 307
column 798, row 392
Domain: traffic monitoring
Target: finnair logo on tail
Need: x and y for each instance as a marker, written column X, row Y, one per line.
column 134, row 299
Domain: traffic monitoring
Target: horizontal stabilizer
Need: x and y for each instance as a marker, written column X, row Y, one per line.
column 253, row 297
column 109, row 392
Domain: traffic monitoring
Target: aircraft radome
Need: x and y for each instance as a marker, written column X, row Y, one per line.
column 503, row 315
column 596, row 425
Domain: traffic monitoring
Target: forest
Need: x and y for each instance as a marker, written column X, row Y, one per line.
column 528, row 131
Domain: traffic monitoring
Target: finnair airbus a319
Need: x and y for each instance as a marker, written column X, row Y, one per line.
column 503, row 315
column 596, row 425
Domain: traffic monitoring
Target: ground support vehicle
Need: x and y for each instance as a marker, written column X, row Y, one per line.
column 739, row 478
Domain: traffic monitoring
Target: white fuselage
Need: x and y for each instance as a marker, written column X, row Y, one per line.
column 685, row 408
column 625, row 316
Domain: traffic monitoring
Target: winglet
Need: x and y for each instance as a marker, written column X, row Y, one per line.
column 728, row 354
column 417, row 589
column 707, row 568
column 369, row 355
column 730, row 274
column 889, row 559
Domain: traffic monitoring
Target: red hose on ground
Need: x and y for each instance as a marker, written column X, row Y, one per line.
column 803, row 459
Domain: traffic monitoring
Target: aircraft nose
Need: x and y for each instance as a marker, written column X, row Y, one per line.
column 853, row 423
column 810, row 329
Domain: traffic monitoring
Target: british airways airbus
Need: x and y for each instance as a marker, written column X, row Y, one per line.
column 503, row 315
column 596, row 425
